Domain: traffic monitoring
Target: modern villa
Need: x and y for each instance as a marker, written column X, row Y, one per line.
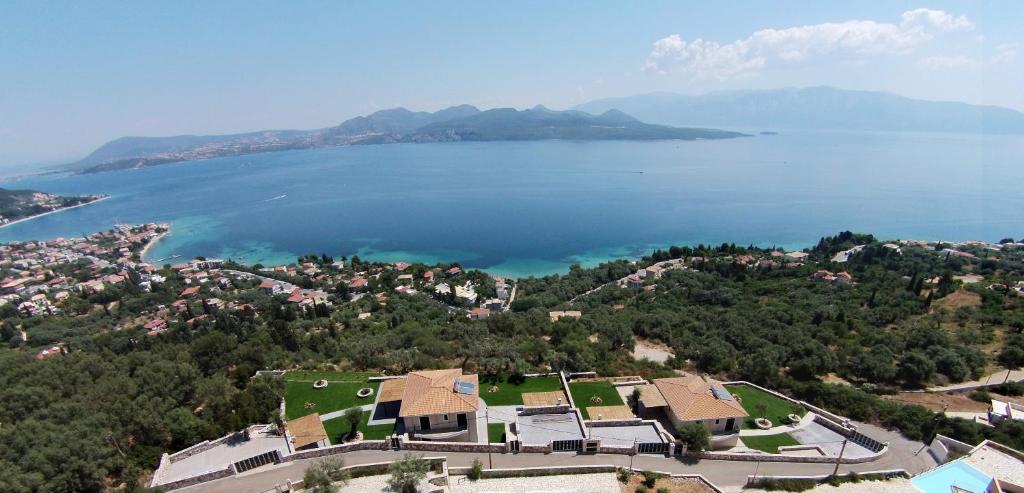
column 440, row 405
column 691, row 398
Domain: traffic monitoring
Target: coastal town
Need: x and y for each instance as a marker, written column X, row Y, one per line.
column 687, row 430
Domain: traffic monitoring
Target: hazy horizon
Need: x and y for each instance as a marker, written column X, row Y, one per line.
column 81, row 75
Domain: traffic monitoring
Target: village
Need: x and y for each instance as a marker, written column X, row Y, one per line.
column 372, row 417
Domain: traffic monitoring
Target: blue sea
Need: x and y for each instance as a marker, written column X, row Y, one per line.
column 535, row 208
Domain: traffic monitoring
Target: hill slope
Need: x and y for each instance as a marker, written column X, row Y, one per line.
column 391, row 126
column 815, row 107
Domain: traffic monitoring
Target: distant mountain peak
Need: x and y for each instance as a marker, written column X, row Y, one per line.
column 817, row 107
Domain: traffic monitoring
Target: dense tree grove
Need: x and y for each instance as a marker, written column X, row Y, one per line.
column 104, row 411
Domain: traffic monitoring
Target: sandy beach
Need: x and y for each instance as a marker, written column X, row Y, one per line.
column 156, row 239
column 62, row 209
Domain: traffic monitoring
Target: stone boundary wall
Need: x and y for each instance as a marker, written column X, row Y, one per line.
column 207, row 444
column 454, row 447
column 616, row 422
column 782, row 458
column 697, row 477
column 794, row 448
column 202, row 478
column 535, row 471
column 565, row 387
column 609, row 449
column 337, row 449
column 753, row 481
column 535, row 449
column 531, row 410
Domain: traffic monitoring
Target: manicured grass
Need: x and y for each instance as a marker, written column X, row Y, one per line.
column 511, row 394
column 583, row 391
column 338, row 428
column 769, row 443
column 496, row 432
column 776, row 409
column 335, row 396
column 330, row 376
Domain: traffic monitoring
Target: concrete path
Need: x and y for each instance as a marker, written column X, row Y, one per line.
column 996, row 378
column 775, row 430
column 341, row 412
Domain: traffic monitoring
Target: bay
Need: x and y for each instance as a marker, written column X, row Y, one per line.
column 535, row 208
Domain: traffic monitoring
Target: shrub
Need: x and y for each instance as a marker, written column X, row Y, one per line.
column 623, row 475
column 407, row 473
column 695, row 435
column 641, row 489
column 476, row 470
column 664, row 490
column 981, row 396
column 650, row 478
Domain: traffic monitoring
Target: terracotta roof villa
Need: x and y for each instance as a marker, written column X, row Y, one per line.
column 692, row 398
column 440, row 405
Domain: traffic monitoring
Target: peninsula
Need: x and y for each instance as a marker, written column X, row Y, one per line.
column 398, row 125
column 21, row 205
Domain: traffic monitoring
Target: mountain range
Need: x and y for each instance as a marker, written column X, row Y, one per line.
column 458, row 123
column 814, row 108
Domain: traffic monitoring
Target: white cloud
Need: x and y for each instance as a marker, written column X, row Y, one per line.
column 935, row 18
column 1002, row 55
column 801, row 44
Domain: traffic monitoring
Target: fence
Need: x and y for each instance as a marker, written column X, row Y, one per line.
column 272, row 457
column 652, row 448
column 566, row 445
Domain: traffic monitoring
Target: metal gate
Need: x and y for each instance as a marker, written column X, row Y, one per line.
column 566, row 445
column 652, row 448
column 272, row 457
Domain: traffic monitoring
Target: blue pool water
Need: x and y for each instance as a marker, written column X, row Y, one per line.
column 957, row 473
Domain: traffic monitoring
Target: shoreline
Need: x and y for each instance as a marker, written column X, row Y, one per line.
column 156, row 239
column 62, row 209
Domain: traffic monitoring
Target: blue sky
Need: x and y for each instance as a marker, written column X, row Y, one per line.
column 77, row 74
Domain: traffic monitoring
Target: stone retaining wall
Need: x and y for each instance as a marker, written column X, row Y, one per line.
column 454, row 446
column 531, row 410
column 616, row 422
column 337, row 449
column 535, row 449
column 202, row 478
column 534, row 471
column 609, row 449
column 754, row 481
column 782, row 458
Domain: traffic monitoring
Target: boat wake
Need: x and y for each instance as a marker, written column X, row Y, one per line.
column 279, row 197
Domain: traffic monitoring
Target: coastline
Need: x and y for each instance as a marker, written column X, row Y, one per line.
column 156, row 239
column 62, row 209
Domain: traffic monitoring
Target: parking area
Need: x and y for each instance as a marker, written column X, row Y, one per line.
column 223, row 455
column 828, row 441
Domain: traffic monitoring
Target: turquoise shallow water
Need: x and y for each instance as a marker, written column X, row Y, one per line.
column 534, row 208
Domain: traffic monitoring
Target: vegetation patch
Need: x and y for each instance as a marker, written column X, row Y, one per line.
column 758, row 404
column 301, row 398
column 338, row 429
column 510, row 389
column 769, row 443
column 584, row 392
column 496, row 432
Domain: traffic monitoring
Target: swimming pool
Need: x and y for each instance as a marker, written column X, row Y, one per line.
column 957, row 473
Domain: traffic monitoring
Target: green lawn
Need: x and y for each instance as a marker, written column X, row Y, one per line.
column 330, row 376
column 769, row 443
column 583, row 391
column 337, row 428
column 511, row 394
column 338, row 394
column 776, row 409
column 496, row 432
